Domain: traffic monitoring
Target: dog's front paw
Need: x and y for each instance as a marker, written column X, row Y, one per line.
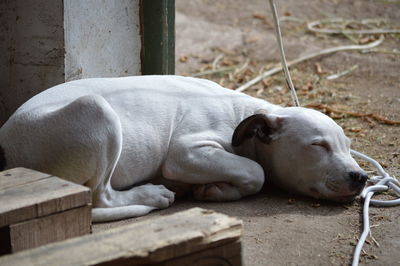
column 216, row 192
column 156, row 195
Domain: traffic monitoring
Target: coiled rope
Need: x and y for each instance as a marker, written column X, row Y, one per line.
column 382, row 182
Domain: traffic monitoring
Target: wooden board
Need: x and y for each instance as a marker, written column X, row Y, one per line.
column 156, row 240
column 37, row 208
column 27, row 194
column 225, row 255
column 59, row 226
column 19, row 176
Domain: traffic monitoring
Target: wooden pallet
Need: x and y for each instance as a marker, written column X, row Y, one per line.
column 37, row 209
column 192, row 237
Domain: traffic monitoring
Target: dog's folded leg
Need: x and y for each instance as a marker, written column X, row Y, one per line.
column 117, row 213
column 218, row 175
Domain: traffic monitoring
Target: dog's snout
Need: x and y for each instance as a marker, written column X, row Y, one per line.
column 358, row 179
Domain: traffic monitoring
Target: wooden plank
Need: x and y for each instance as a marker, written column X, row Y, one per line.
column 52, row 228
column 40, row 198
column 229, row 254
column 150, row 241
column 158, row 37
column 19, row 176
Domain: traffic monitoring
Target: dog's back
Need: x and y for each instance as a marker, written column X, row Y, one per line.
column 155, row 105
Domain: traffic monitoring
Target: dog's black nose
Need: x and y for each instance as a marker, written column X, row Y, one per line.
column 358, row 179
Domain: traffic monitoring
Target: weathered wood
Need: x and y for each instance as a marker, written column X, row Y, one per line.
column 59, row 226
column 37, row 208
column 229, row 254
column 19, row 176
column 24, row 198
column 196, row 232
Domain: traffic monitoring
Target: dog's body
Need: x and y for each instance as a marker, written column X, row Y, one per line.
column 116, row 134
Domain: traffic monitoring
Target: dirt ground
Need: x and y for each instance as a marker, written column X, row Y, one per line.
column 236, row 38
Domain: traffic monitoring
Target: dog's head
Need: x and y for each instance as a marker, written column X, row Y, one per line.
column 303, row 151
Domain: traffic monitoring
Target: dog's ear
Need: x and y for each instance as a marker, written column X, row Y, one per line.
column 260, row 125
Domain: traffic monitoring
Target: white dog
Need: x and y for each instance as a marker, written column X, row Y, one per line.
column 118, row 135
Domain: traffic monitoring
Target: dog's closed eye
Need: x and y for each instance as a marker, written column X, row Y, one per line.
column 322, row 144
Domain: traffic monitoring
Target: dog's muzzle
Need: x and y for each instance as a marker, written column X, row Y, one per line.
column 357, row 180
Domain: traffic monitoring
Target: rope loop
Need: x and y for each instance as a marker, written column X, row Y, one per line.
column 381, row 183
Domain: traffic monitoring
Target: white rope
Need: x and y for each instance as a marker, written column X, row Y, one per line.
column 282, row 53
column 383, row 182
column 313, row 26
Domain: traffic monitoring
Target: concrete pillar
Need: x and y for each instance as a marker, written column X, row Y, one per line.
column 47, row 42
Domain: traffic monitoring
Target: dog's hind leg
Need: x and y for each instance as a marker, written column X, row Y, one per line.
column 137, row 201
column 100, row 134
column 93, row 134
column 117, row 213
column 134, row 202
column 101, row 138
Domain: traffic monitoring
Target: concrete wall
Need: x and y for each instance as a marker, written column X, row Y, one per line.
column 47, row 42
column 32, row 50
column 102, row 38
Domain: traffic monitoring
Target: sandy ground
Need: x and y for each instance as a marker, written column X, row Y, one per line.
column 280, row 228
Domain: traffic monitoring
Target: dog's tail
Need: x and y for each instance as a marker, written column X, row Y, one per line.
column 100, row 215
column 3, row 161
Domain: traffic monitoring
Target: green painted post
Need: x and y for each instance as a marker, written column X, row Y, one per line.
column 158, row 37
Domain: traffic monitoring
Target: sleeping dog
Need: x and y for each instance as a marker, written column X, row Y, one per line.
column 119, row 136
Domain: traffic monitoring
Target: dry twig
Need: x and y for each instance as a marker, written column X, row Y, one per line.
column 216, row 61
column 343, row 73
column 215, row 71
